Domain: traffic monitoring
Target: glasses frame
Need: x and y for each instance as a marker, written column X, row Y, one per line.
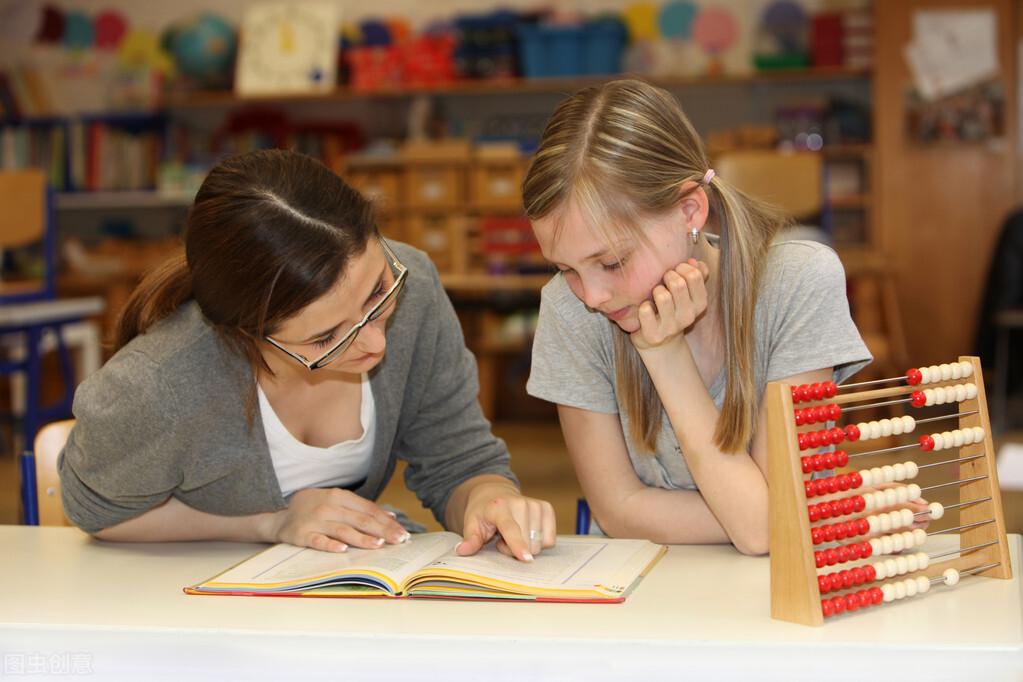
column 389, row 298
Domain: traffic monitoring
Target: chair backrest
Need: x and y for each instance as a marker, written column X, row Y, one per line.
column 48, row 444
column 793, row 181
column 26, row 219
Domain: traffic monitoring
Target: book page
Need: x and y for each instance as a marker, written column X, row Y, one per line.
column 288, row 566
column 572, row 562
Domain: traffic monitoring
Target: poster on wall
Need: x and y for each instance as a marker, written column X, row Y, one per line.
column 288, row 49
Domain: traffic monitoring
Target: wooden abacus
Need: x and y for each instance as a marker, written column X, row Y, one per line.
column 801, row 540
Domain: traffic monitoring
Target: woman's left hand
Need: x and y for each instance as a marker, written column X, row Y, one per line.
column 525, row 525
column 677, row 302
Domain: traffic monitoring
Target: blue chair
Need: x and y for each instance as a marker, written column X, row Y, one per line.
column 29, row 308
column 582, row 517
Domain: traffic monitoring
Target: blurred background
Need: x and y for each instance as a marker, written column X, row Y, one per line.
column 890, row 130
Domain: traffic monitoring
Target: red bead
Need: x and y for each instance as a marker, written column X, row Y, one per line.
column 829, row 389
column 814, row 513
column 863, row 596
column 832, row 556
column 844, row 482
column 914, row 376
column 853, row 528
column 840, row 531
column 859, row 503
column 869, row 573
column 816, row 536
column 865, row 550
column 827, row 608
column 814, row 439
column 807, row 464
column 821, row 413
column 810, row 488
column 852, row 432
column 834, row 411
column 820, row 558
column 837, row 435
column 858, row 575
column 847, row 505
column 800, row 417
column 828, row 532
column 830, row 484
column 876, row 595
column 855, row 479
column 842, row 553
column 823, row 584
column 846, row 577
column 803, row 442
column 926, row 443
column 851, row 602
column 827, row 509
column 818, row 462
column 838, row 603
column 862, row 526
column 795, row 394
column 836, row 508
column 828, row 458
column 816, row 391
column 803, row 393
column 918, row 399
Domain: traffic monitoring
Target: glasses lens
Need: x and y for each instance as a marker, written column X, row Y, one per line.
column 333, row 354
column 388, row 300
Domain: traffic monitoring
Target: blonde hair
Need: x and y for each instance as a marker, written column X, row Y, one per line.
column 623, row 151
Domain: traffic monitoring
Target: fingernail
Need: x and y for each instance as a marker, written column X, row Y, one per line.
column 378, row 542
column 344, row 547
column 405, row 537
column 459, row 546
column 392, row 514
column 526, row 556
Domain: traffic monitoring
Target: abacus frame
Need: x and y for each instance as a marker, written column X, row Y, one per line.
column 795, row 594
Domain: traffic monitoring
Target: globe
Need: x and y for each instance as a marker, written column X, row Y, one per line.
column 204, row 50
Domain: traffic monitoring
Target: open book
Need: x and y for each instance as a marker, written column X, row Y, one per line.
column 584, row 569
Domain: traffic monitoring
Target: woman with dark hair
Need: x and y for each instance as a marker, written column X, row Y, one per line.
column 250, row 398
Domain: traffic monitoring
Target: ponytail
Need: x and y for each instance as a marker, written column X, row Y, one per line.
column 160, row 293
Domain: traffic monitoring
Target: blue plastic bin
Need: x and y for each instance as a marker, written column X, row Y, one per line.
column 590, row 49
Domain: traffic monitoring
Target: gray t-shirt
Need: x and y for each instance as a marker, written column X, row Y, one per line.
column 802, row 324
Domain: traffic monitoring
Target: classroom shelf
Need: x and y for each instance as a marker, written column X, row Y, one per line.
column 126, row 199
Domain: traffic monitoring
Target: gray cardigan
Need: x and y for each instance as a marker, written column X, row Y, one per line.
column 167, row 416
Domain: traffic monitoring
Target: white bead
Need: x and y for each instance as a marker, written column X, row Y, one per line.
column 937, row 511
column 912, row 470
column 898, row 542
column 868, row 480
column 896, row 426
column 900, row 590
column 902, row 564
column 951, row 576
column 902, row 494
column 940, row 395
column 967, row 368
column 877, row 476
column 957, row 438
column 864, row 428
column 896, row 517
column 929, row 397
column 892, row 566
column 935, row 373
column 925, row 375
column 946, row 371
column 919, row 537
column 907, row 518
column 886, row 545
column 890, row 497
column 889, row 473
column 957, row 370
column 960, row 393
column 914, row 491
column 880, row 573
column 874, row 522
column 908, row 424
column 978, row 434
column 923, row 584
column 946, row 439
column 912, row 563
column 875, row 546
column 886, row 427
column 879, row 499
column 910, row 587
column 900, row 471
column 884, row 522
column 922, row 560
column 967, row 436
column 971, row 391
column 889, row 592
column 868, row 502
column 939, row 444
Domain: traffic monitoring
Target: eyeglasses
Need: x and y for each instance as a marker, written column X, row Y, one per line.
column 400, row 273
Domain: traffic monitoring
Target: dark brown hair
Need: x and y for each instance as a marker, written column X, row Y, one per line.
column 269, row 233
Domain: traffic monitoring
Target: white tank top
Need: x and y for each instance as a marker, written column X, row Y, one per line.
column 299, row 466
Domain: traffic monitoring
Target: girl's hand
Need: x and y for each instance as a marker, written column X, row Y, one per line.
column 677, row 302
column 525, row 525
column 331, row 519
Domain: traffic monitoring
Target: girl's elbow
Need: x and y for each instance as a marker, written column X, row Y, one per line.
column 756, row 543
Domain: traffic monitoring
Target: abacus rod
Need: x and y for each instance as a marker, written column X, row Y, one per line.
column 968, row 571
column 947, row 461
column 961, row 550
column 870, row 383
column 968, row 525
column 884, row 451
column 954, row 506
column 884, row 404
column 947, row 416
column 960, row 482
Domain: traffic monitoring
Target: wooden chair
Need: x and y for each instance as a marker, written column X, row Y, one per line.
column 40, row 483
column 32, row 319
column 793, row 181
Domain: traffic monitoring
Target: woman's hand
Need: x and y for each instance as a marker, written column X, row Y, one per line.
column 331, row 519
column 677, row 302
column 525, row 525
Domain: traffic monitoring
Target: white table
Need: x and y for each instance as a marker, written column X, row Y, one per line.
column 117, row 611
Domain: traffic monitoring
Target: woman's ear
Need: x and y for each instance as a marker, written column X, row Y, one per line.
column 695, row 207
